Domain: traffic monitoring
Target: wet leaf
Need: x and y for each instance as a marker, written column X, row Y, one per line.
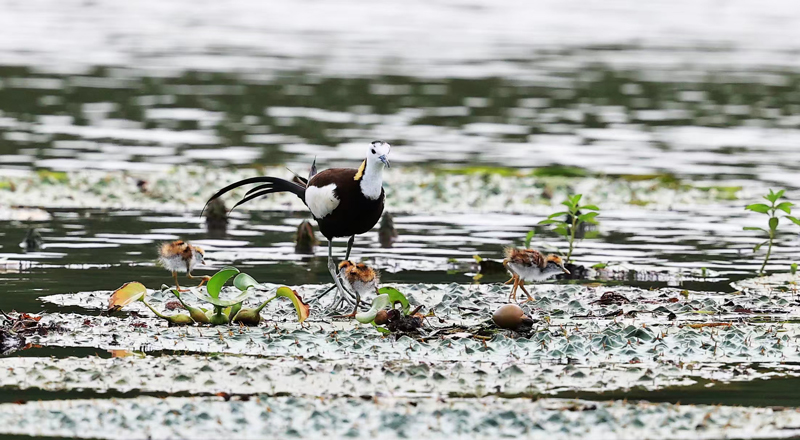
column 381, row 302
column 395, row 296
column 202, row 295
column 128, row 293
column 219, row 279
column 244, row 281
column 303, row 310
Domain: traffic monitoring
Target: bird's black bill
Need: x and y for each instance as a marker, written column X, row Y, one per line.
column 384, row 160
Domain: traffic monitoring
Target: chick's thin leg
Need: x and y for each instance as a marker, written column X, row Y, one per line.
column 203, row 280
column 178, row 286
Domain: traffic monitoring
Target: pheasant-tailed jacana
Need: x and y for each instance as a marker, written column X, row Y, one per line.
column 180, row 256
column 345, row 202
column 530, row 265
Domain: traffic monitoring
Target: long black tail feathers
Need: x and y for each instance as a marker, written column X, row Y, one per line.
column 272, row 185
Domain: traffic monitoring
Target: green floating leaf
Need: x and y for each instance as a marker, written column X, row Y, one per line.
column 128, row 293
column 244, row 281
column 217, row 301
column 528, row 238
column 395, row 296
column 758, row 207
column 219, row 279
column 303, row 310
column 381, row 302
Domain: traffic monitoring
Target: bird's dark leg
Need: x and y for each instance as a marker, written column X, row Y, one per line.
column 332, row 269
column 349, row 247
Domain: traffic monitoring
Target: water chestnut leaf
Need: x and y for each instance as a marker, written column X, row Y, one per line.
column 128, row 293
column 217, row 301
column 381, row 302
column 303, row 310
column 244, row 281
column 219, row 279
column 395, row 296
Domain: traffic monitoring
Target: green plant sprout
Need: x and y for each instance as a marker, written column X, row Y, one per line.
column 223, row 311
column 573, row 218
column 793, row 269
column 770, row 210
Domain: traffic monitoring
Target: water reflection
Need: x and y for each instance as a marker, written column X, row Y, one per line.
column 601, row 119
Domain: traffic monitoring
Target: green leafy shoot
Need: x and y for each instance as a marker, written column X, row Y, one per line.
column 793, row 269
column 528, row 238
column 771, row 210
column 567, row 222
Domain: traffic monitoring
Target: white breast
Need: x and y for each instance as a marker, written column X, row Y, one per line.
column 321, row 200
column 175, row 263
column 529, row 273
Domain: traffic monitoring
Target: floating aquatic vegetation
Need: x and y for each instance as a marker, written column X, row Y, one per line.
column 225, row 310
column 409, row 190
column 386, row 318
column 773, row 222
column 390, row 417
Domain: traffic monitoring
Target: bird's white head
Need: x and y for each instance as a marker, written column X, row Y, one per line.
column 377, row 153
column 199, row 255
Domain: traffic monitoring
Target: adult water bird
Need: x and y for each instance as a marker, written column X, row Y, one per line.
column 345, row 202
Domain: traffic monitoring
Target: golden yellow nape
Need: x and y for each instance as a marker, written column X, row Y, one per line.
column 360, row 172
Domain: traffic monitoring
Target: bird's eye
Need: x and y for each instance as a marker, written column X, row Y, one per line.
column 373, row 151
